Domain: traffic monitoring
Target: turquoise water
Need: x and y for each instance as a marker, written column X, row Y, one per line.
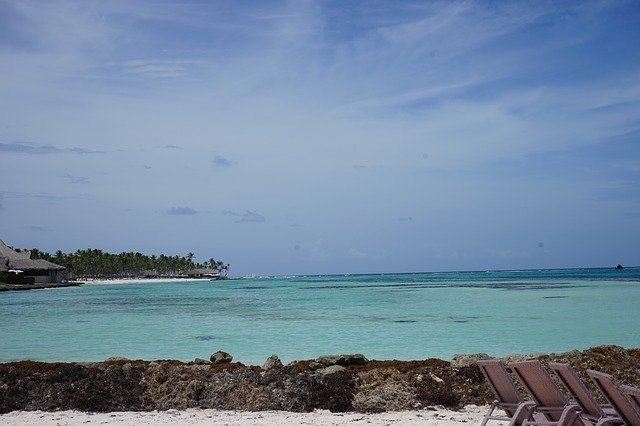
column 390, row 316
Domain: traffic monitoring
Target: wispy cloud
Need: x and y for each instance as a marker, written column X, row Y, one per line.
column 182, row 211
column 37, row 195
column 35, row 228
column 170, row 146
column 405, row 219
column 220, row 161
column 247, row 217
column 34, row 149
column 76, row 179
column 155, row 68
column 627, row 192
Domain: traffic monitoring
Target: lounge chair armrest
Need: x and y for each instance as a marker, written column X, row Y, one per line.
column 570, row 415
column 523, row 413
column 554, row 409
column 610, row 421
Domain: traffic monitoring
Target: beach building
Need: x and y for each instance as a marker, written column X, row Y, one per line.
column 17, row 267
column 209, row 273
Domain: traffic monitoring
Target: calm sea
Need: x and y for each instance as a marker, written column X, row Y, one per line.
column 388, row 316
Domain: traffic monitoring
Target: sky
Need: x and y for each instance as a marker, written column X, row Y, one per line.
column 324, row 137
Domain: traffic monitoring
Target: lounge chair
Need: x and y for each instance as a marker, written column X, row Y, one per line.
column 591, row 412
column 550, row 402
column 508, row 397
column 632, row 393
column 626, row 408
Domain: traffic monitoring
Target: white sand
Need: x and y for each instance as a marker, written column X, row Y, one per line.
column 470, row 415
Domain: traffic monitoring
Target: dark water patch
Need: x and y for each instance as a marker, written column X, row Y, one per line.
column 465, row 318
column 83, row 321
column 261, row 287
column 579, row 274
column 382, row 286
column 158, row 301
column 405, row 321
column 372, row 318
column 31, row 303
column 205, row 337
column 555, row 297
column 514, row 286
column 526, row 286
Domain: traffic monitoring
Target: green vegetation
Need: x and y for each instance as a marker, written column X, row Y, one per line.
column 97, row 263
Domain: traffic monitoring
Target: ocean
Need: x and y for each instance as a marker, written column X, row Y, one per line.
column 383, row 316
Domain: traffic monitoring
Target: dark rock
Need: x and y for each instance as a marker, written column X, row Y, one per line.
column 201, row 361
column 619, row 266
column 221, row 357
column 272, row 362
column 343, row 360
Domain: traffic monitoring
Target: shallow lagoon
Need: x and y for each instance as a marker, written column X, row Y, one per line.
column 401, row 316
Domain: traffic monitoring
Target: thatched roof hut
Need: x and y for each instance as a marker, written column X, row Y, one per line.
column 203, row 273
column 18, row 267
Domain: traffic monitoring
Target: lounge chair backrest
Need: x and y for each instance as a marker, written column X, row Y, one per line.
column 539, row 384
column 633, row 394
column 498, row 377
column 624, row 406
column 577, row 389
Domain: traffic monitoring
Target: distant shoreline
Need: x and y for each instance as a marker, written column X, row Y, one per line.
column 93, row 281
column 103, row 281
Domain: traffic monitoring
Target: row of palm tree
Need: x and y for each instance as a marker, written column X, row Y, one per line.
column 97, row 263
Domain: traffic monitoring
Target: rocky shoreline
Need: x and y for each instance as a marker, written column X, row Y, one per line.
column 338, row 384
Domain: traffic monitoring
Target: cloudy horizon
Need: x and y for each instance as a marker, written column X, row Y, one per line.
column 310, row 137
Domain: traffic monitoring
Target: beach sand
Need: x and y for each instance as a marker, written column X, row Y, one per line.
column 469, row 415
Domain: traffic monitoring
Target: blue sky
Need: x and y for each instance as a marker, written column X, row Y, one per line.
column 324, row 136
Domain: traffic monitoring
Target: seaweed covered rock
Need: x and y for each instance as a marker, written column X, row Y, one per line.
column 272, row 362
column 342, row 360
column 125, row 385
column 462, row 360
column 221, row 357
column 384, row 389
column 100, row 387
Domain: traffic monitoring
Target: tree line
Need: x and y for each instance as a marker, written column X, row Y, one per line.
column 97, row 263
